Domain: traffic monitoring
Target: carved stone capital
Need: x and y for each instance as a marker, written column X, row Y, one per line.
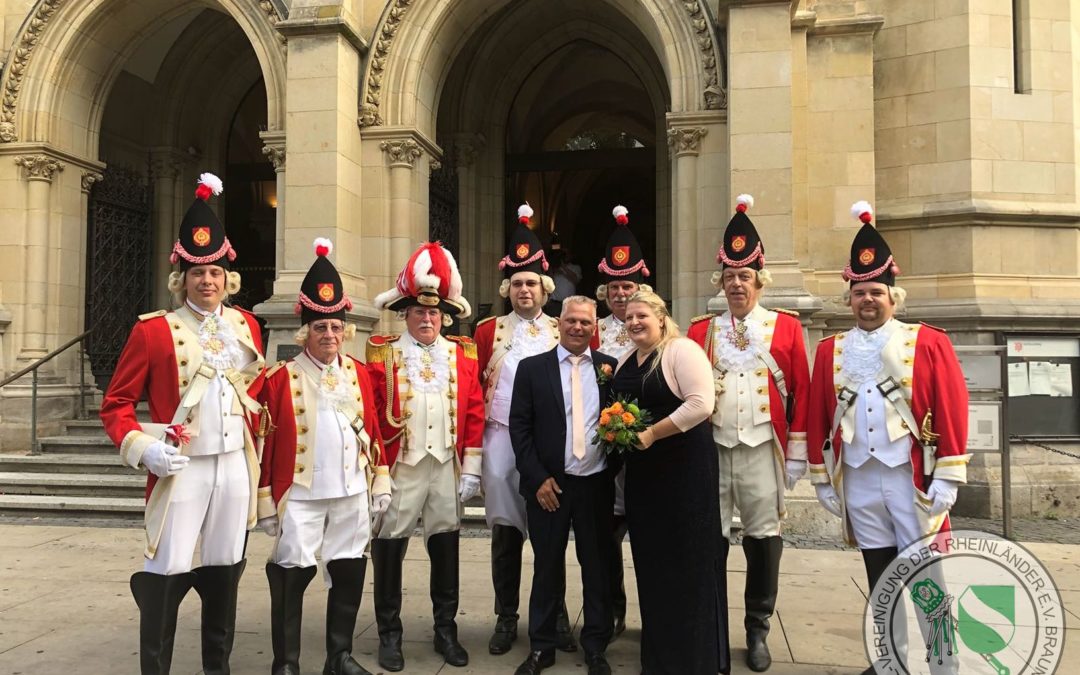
column 39, row 167
column 403, row 152
column 686, row 140
column 166, row 163
column 89, row 178
column 467, row 148
column 276, row 154
column 435, row 165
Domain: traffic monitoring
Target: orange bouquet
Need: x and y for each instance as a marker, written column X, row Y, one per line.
column 620, row 424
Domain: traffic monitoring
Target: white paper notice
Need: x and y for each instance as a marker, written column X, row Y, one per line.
column 1039, row 378
column 1061, row 380
column 1018, row 380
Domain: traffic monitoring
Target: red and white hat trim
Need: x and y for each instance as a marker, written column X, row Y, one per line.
column 179, row 252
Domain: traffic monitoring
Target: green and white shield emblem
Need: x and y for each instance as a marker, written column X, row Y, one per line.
column 986, row 618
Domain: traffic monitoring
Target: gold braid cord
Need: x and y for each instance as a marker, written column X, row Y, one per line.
column 391, row 376
column 266, row 423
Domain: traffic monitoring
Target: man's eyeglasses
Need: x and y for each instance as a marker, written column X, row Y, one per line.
column 335, row 328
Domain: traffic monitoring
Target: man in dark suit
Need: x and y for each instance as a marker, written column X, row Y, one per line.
column 566, row 481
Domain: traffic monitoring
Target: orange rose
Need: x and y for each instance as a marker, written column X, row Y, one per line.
column 616, row 407
column 605, row 419
column 609, row 436
column 627, row 418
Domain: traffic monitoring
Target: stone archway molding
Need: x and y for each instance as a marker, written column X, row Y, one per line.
column 35, row 31
column 704, row 92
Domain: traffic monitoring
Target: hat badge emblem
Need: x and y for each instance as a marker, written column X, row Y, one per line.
column 866, row 256
column 738, row 243
column 620, row 255
column 326, row 292
column 522, row 250
column 201, row 236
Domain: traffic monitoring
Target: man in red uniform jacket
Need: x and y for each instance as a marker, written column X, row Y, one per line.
column 887, row 429
column 194, row 364
column 759, row 423
column 431, row 413
column 317, row 465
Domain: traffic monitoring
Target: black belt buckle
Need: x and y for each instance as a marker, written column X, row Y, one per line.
column 846, row 396
column 887, row 387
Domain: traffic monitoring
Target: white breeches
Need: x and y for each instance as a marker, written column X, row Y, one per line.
column 503, row 504
column 427, row 490
column 340, row 527
column 880, row 504
column 748, row 482
column 209, row 505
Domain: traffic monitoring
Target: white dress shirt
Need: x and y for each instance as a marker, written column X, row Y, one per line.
column 594, row 460
column 336, row 471
column 429, row 421
column 221, row 421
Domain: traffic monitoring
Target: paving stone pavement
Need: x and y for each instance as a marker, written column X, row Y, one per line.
column 65, row 608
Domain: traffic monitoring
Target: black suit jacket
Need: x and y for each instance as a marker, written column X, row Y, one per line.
column 538, row 423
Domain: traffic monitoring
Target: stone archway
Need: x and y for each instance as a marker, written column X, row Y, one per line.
column 409, row 76
column 57, row 84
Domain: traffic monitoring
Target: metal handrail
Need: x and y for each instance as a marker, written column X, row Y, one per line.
column 33, row 368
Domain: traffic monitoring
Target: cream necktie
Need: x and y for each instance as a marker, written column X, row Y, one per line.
column 577, row 407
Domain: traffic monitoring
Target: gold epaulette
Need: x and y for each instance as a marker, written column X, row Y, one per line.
column 789, row 312
column 703, row 317
column 152, row 315
column 274, row 368
column 554, row 322
column 377, row 348
column 942, row 330
column 467, row 345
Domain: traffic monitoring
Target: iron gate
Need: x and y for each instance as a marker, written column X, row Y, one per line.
column 443, row 205
column 119, row 236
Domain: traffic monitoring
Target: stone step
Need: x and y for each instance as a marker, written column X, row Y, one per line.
column 108, row 508
column 68, row 464
column 142, row 411
column 72, row 484
column 83, row 445
column 85, row 428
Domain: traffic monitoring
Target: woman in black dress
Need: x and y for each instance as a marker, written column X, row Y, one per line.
column 672, row 498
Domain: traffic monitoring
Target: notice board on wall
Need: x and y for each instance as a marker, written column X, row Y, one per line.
column 1043, row 386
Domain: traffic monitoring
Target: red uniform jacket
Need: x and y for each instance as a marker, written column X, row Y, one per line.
column 789, row 351
column 280, row 459
column 383, row 358
column 149, row 366
column 932, row 382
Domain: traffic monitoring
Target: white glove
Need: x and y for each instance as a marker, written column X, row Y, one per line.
column 379, row 504
column 469, row 487
column 268, row 525
column 794, row 469
column 162, row 459
column 829, row 499
column 943, row 492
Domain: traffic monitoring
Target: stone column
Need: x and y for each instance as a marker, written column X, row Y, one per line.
column 760, row 99
column 465, row 149
column 323, row 189
column 275, row 152
column 39, row 171
column 401, row 155
column 685, row 144
column 166, row 165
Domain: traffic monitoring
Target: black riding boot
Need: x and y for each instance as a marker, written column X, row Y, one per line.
column 388, row 556
column 506, row 544
column 443, row 553
column 342, row 604
column 876, row 561
column 762, row 583
column 217, row 586
column 287, row 586
column 158, row 597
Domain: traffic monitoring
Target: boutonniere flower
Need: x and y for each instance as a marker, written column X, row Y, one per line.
column 603, row 373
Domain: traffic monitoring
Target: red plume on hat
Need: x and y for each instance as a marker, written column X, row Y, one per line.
column 430, row 278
